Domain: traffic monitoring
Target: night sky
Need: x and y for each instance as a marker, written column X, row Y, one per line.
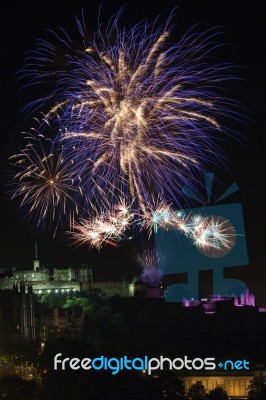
column 244, row 39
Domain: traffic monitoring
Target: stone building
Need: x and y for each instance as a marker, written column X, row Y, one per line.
column 61, row 280
column 61, row 322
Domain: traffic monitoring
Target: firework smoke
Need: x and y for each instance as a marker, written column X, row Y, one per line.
column 149, row 261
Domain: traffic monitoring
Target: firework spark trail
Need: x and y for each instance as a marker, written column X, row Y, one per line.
column 112, row 227
column 162, row 215
column 141, row 112
column 149, row 259
column 205, row 232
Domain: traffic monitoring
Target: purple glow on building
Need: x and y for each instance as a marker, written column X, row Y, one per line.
column 151, row 276
column 246, row 299
column 209, row 304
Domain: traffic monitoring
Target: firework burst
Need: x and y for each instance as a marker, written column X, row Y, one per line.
column 46, row 182
column 158, row 215
column 141, row 111
column 215, row 234
column 206, row 232
column 135, row 116
column 104, row 228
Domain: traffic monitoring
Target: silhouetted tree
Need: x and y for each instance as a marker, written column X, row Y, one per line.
column 217, row 394
column 197, row 391
column 257, row 388
column 171, row 387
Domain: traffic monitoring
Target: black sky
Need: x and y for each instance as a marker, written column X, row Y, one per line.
column 243, row 24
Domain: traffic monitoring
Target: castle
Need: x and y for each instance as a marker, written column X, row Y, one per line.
column 40, row 280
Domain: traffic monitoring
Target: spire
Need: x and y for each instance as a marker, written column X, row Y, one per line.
column 36, row 250
column 36, row 262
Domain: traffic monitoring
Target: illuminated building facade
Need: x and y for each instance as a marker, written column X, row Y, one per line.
column 40, row 280
column 236, row 385
column 212, row 303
